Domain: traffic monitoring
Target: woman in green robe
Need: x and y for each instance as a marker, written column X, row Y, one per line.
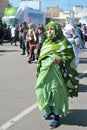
column 57, row 78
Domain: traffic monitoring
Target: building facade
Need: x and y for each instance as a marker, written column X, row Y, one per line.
column 53, row 12
column 3, row 5
column 80, row 11
column 57, row 13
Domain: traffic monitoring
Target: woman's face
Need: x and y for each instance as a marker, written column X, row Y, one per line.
column 50, row 31
column 39, row 31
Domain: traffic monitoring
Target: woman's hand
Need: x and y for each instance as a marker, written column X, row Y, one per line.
column 56, row 61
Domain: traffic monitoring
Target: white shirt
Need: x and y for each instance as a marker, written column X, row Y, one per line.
column 13, row 32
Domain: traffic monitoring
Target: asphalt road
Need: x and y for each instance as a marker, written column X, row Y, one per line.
column 18, row 103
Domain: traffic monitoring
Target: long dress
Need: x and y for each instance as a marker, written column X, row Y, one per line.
column 56, row 82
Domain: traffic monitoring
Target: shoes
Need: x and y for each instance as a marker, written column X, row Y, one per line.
column 26, row 55
column 0, row 43
column 35, row 60
column 55, row 122
column 47, row 116
column 29, row 61
column 23, row 54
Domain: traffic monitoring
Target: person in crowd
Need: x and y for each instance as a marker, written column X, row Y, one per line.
column 85, row 32
column 63, row 25
column 20, row 30
column 17, row 33
column 9, row 33
column 57, row 77
column 13, row 38
column 24, row 41
column 31, row 39
column 1, row 32
column 80, row 32
column 41, row 36
column 71, row 33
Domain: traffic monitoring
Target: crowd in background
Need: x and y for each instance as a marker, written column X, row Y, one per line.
column 31, row 37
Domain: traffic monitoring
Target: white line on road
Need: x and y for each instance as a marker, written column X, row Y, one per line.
column 81, row 75
column 11, row 122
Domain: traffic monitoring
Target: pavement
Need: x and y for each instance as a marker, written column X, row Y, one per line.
column 18, row 104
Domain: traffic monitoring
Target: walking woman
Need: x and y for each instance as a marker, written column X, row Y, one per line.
column 31, row 39
column 71, row 33
column 41, row 37
column 57, row 78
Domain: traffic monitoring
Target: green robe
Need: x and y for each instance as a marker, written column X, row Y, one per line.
column 56, row 82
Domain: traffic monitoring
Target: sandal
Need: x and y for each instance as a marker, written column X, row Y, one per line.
column 55, row 122
column 47, row 116
column 29, row 61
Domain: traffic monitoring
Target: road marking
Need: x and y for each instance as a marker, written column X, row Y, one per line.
column 12, row 121
column 81, row 75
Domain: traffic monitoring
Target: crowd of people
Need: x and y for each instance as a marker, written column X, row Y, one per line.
column 58, row 49
column 31, row 38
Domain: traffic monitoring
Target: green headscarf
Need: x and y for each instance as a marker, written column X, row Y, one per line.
column 55, row 42
column 58, row 34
